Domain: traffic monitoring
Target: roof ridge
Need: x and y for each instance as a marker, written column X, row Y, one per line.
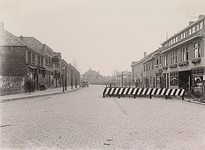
column 14, row 37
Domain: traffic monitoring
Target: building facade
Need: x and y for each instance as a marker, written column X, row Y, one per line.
column 26, row 57
column 179, row 62
column 93, row 77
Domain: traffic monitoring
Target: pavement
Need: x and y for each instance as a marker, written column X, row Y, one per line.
column 51, row 91
column 85, row 120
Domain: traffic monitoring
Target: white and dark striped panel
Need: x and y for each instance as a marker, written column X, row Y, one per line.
column 111, row 91
column 181, row 93
column 139, row 91
column 130, row 91
column 149, row 91
column 168, row 91
column 116, row 91
column 107, row 91
column 104, row 91
column 163, row 91
column 177, row 91
column 154, row 90
column 135, row 91
column 144, row 91
column 120, row 91
column 125, row 91
column 173, row 91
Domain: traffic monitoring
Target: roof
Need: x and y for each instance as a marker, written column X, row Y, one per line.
column 91, row 72
column 8, row 39
column 32, row 43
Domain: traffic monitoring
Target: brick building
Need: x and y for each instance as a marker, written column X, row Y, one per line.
column 23, row 57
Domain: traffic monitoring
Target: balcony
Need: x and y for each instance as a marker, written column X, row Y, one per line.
column 172, row 66
column 165, row 67
column 182, row 64
column 196, row 60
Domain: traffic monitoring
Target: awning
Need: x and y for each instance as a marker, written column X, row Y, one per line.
column 32, row 67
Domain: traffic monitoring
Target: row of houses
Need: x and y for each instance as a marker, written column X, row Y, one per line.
column 23, row 57
column 178, row 63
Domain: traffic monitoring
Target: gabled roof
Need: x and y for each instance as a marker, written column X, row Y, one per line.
column 91, row 72
column 32, row 43
column 8, row 39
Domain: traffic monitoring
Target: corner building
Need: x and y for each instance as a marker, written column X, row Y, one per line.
column 179, row 62
column 183, row 57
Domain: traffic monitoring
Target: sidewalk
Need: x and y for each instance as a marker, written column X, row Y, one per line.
column 37, row 94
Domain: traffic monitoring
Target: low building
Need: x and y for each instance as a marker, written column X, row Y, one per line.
column 93, row 77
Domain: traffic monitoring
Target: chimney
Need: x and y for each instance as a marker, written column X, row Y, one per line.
column 191, row 22
column 21, row 37
column 145, row 54
column 1, row 25
column 201, row 16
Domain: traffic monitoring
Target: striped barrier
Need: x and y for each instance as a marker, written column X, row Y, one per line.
column 134, row 92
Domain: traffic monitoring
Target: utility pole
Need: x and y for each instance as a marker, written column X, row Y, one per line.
column 122, row 78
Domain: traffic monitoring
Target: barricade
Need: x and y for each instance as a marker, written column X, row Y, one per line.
column 134, row 92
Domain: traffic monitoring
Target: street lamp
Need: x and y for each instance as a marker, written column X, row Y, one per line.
column 63, row 67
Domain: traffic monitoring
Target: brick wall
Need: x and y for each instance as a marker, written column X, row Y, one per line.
column 12, row 61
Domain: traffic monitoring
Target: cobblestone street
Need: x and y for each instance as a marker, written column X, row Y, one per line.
column 84, row 120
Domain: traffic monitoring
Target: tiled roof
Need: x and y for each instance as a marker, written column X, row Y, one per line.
column 8, row 39
column 32, row 43
column 90, row 73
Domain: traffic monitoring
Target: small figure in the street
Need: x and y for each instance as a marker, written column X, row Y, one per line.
column 29, row 85
column 76, row 83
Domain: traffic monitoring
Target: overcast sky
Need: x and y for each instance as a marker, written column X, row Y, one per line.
column 104, row 35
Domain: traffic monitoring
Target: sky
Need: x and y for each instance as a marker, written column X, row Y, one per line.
column 104, row 35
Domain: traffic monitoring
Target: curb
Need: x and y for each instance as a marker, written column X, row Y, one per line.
column 40, row 95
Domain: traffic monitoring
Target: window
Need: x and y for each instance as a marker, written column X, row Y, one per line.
column 33, row 58
column 201, row 25
column 152, row 65
column 160, row 59
column 184, row 54
column 174, row 78
column 197, row 27
column 174, row 57
column 39, row 60
column 190, row 32
column 29, row 56
column 197, row 50
column 157, row 62
column 46, row 60
column 144, row 68
column 193, row 29
column 182, row 36
column 165, row 60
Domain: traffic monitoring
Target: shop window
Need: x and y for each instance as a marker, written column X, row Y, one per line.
column 174, row 78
